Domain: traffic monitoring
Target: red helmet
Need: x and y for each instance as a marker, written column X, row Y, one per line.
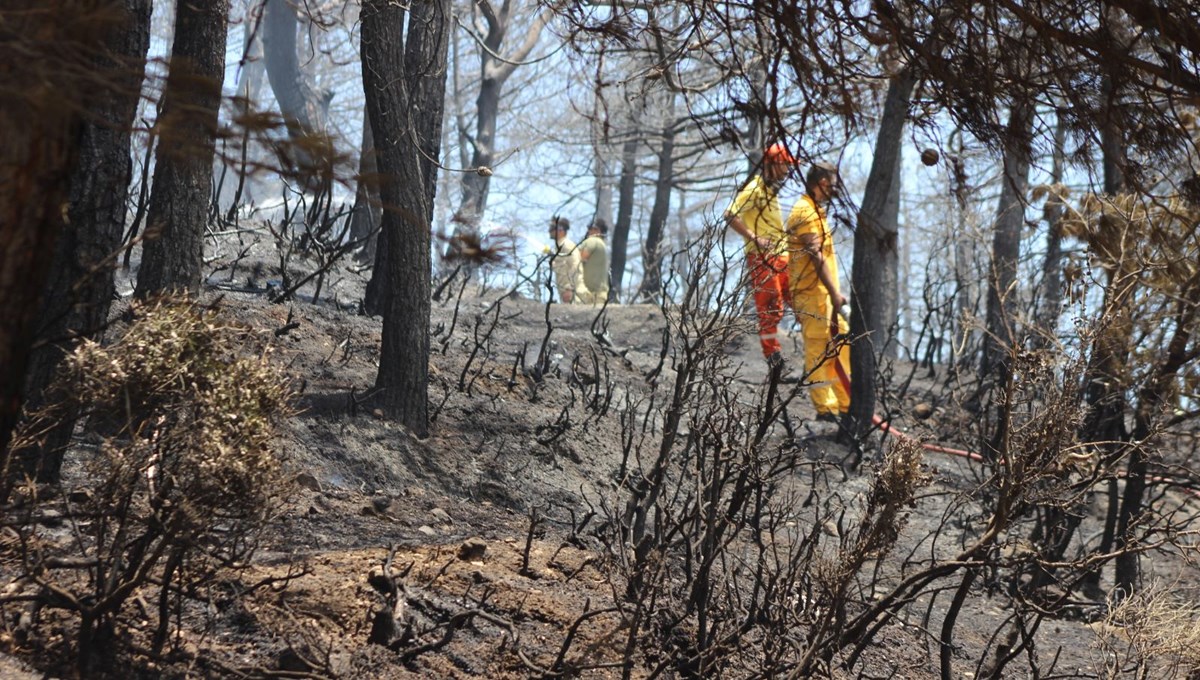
column 778, row 153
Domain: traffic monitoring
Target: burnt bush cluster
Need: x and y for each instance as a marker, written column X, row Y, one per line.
column 181, row 480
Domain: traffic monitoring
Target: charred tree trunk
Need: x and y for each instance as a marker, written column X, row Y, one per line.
column 80, row 287
column 625, row 195
column 425, row 57
column 1104, row 384
column 604, row 191
column 1151, row 399
column 187, row 128
column 1105, row 388
column 475, row 185
column 378, row 294
column 252, row 68
column 1106, row 377
column 392, row 81
column 494, row 71
column 303, row 109
column 1051, row 298
column 964, row 344
column 366, row 217
column 651, row 287
column 1060, row 525
column 426, row 83
column 875, row 251
column 893, row 278
column 601, row 164
column 46, row 90
column 250, row 77
column 1006, row 249
column 1001, row 338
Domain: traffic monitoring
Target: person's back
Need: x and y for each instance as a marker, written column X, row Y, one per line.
column 594, row 254
column 566, row 264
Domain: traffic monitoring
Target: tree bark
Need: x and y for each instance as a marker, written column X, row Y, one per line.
column 1104, row 384
column 894, row 280
column 964, row 342
column 1106, row 376
column 1006, row 249
column 393, row 83
column 625, row 196
column 425, row 81
column 651, row 286
column 1106, row 379
column 475, row 186
column 1151, row 398
column 378, row 294
column 303, row 108
column 875, row 252
column 601, row 165
column 494, row 71
column 426, row 65
column 604, row 188
column 367, row 212
column 46, row 90
column 80, row 286
column 1001, row 340
column 252, row 68
column 249, row 84
column 1061, row 523
column 187, row 128
column 1051, row 298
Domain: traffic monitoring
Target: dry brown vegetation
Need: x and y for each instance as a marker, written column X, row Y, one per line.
column 219, row 487
column 591, row 502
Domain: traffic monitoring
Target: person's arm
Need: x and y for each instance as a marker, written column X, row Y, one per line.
column 810, row 244
column 737, row 224
column 585, row 251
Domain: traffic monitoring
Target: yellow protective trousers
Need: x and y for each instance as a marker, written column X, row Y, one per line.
column 828, row 393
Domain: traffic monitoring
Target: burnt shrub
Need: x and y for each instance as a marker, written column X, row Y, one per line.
column 184, row 477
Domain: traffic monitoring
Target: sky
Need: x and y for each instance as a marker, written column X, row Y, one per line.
column 543, row 171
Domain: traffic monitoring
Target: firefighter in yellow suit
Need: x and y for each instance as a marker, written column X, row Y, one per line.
column 816, row 298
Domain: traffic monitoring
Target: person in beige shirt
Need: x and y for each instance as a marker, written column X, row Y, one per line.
column 566, row 263
column 593, row 251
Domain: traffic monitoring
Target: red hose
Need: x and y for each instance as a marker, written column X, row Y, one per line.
column 962, row 453
column 886, row 427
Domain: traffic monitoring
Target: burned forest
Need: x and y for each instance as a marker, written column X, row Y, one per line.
column 607, row 339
